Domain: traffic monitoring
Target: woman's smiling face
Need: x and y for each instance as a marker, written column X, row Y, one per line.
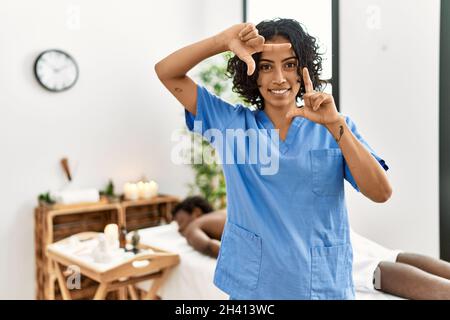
column 278, row 78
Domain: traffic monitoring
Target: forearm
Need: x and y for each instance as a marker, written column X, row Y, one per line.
column 365, row 169
column 177, row 64
column 213, row 248
column 209, row 247
column 200, row 241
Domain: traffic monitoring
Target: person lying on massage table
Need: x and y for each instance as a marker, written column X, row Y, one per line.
column 200, row 224
column 407, row 275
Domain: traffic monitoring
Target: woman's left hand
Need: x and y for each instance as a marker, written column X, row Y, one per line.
column 319, row 106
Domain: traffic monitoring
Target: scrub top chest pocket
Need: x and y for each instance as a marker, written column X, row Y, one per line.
column 327, row 172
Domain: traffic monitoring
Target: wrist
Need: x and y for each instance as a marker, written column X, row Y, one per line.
column 337, row 128
column 221, row 41
column 213, row 248
column 332, row 126
column 225, row 38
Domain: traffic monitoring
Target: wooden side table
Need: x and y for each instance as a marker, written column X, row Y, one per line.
column 56, row 222
column 121, row 276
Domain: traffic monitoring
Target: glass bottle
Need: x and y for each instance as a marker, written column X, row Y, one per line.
column 123, row 237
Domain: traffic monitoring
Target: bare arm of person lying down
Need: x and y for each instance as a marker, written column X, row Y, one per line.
column 205, row 232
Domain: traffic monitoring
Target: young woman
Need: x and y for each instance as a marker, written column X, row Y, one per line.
column 287, row 231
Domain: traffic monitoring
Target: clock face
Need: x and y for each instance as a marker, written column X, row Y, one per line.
column 56, row 70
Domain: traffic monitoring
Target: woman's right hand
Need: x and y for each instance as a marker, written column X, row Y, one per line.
column 244, row 40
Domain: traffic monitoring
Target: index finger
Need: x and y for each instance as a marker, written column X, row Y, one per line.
column 307, row 80
column 276, row 46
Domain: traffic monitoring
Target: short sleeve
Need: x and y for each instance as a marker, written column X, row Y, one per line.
column 212, row 113
column 347, row 174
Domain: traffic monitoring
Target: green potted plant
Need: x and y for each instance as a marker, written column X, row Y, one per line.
column 45, row 199
column 109, row 193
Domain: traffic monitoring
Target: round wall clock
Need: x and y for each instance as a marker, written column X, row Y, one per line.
column 56, row 70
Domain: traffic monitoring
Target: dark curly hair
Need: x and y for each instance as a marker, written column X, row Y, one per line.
column 305, row 47
column 190, row 203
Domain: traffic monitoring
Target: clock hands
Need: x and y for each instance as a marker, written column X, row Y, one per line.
column 57, row 70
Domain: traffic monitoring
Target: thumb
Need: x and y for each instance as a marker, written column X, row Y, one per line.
column 297, row 112
column 248, row 59
column 250, row 65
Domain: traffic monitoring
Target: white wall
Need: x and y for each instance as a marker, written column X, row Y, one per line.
column 219, row 15
column 115, row 123
column 389, row 86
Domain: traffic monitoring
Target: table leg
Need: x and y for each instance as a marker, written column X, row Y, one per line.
column 133, row 293
column 151, row 294
column 123, row 293
column 49, row 288
column 101, row 292
column 62, row 283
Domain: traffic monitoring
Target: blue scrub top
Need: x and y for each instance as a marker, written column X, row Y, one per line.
column 287, row 232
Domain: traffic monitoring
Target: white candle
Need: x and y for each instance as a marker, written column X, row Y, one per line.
column 112, row 235
column 131, row 191
column 147, row 189
column 154, row 188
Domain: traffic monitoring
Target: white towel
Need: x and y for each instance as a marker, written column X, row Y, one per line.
column 75, row 196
